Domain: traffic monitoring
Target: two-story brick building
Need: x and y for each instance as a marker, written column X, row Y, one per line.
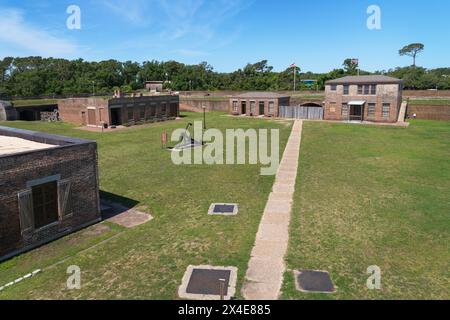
column 374, row 98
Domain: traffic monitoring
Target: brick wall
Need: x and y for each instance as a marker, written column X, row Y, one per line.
column 75, row 162
column 429, row 112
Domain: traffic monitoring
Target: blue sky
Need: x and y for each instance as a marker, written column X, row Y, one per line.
column 318, row 35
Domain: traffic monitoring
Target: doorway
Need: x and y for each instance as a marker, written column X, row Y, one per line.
column 92, row 117
column 116, row 117
column 261, row 108
column 356, row 113
column 244, row 107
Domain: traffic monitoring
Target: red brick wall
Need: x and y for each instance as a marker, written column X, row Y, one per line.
column 429, row 112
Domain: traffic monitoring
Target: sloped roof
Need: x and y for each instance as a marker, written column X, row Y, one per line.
column 262, row 95
column 366, row 80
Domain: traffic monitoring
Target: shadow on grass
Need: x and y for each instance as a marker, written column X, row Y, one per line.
column 113, row 204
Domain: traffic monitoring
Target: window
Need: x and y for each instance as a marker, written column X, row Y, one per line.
column 386, row 110
column 371, row 110
column 344, row 110
column 235, row 106
column 332, row 107
column 366, row 89
column 45, row 204
column 360, row 89
column 333, row 87
column 163, row 108
column 271, row 107
column 373, row 89
column 130, row 113
column 142, row 112
column 346, row 89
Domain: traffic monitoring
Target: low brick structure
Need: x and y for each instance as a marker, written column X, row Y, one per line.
column 258, row 104
column 48, row 188
column 97, row 112
column 363, row 98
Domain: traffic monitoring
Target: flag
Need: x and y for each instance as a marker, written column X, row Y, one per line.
column 355, row 61
column 293, row 65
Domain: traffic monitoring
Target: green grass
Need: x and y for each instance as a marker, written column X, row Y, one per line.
column 34, row 102
column 431, row 102
column 373, row 196
column 148, row 262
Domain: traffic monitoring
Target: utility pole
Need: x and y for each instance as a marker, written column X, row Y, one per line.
column 93, row 88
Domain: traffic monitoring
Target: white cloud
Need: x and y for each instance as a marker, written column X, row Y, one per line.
column 15, row 31
column 136, row 12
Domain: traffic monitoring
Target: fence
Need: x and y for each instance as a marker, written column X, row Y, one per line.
column 305, row 113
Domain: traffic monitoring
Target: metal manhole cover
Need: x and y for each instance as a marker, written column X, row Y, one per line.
column 314, row 281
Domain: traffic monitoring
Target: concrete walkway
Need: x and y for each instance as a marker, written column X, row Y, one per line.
column 266, row 266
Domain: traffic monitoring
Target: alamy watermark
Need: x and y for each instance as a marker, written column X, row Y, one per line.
column 238, row 146
column 374, row 19
column 73, row 22
column 74, row 279
column 374, row 281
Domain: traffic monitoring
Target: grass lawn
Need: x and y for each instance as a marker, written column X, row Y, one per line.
column 373, row 196
column 34, row 102
column 148, row 262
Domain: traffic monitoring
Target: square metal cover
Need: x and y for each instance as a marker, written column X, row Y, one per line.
column 224, row 209
column 206, row 283
column 314, row 281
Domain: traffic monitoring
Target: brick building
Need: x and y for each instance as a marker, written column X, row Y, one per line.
column 48, row 188
column 374, row 98
column 97, row 112
column 258, row 104
column 154, row 86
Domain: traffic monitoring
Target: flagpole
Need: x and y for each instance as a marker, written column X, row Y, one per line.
column 295, row 78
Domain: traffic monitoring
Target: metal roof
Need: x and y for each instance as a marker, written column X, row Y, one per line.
column 372, row 79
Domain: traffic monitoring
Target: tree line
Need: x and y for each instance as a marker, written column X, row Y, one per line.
column 34, row 76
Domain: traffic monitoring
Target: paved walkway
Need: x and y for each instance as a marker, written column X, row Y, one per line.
column 266, row 266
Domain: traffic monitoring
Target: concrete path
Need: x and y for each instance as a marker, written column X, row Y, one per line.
column 266, row 266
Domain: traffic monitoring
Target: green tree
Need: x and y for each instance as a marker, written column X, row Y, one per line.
column 412, row 50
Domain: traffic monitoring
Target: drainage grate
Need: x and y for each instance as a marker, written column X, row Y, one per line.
column 208, row 283
column 314, row 281
column 225, row 209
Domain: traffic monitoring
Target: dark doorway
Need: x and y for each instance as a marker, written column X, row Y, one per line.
column 356, row 113
column 45, row 204
column 244, row 107
column 27, row 115
column 116, row 117
column 261, row 109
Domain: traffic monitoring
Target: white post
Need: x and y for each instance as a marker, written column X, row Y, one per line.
column 295, row 78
